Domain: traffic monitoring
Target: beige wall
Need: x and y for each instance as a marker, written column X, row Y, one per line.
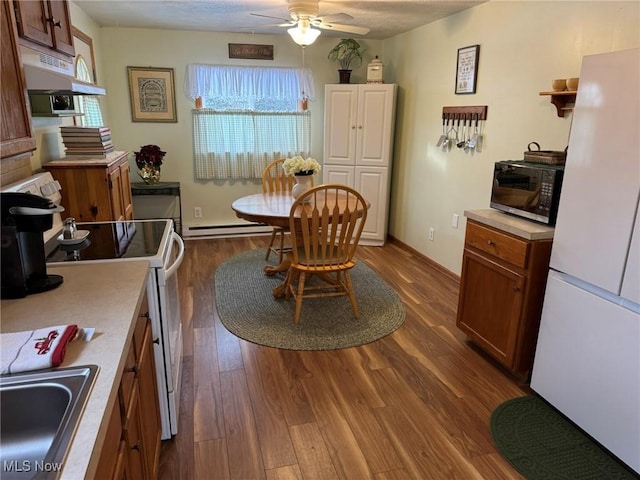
column 523, row 46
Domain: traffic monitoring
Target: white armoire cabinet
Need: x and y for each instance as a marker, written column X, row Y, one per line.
column 358, row 147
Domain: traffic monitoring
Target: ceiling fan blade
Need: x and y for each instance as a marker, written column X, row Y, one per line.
column 288, row 20
column 337, row 17
column 344, row 28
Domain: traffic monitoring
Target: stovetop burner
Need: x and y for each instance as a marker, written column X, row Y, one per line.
column 111, row 240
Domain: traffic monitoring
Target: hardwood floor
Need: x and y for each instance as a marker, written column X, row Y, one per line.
column 413, row 405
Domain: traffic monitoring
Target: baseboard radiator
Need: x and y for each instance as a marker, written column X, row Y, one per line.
column 220, row 231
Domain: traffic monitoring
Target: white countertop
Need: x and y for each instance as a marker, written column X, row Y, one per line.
column 105, row 296
column 517, row 226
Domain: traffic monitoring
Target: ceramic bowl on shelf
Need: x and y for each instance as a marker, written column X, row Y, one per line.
column 559, row 84
column 572, row 83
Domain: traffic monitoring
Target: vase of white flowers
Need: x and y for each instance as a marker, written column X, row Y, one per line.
column 302, row 169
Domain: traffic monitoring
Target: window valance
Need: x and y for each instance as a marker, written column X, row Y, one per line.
column 256, row 83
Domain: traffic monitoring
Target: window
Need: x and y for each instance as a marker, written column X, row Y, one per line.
column 87, row 104
column 250, row 117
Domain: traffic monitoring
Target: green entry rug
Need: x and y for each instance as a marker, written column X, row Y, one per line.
column 543, row 445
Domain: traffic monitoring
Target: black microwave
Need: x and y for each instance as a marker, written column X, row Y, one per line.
column 529, row 190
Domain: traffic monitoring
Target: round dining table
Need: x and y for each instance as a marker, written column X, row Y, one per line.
column 270, row 208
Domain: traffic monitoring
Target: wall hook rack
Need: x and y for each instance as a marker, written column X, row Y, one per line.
column 465, row 113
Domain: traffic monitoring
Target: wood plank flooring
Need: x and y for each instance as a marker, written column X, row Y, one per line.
column 413, row 405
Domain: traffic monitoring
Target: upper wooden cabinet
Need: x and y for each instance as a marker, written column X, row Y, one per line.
column 45, row 23
column 16, row 131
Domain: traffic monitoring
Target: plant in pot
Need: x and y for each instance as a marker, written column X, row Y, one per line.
column 346, row 52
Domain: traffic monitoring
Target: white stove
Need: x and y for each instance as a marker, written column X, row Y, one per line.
column 44, row 185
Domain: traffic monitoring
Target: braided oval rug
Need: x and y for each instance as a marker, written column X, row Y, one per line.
column 247, row 308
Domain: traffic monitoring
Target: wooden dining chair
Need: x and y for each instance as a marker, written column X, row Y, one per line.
column 274, row 179
column 325, row 224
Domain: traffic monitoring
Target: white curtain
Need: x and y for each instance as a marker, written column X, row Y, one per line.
column 241, row 144
column 87, row 104
column 249, row 88
column 250, row 118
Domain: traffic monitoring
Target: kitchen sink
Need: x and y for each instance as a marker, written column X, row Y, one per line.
column 39, row 412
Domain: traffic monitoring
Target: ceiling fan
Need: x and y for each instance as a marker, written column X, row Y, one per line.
column 304, row 16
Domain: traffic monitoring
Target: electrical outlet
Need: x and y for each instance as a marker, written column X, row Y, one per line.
column 431, row 232
column 454, row 220
column 197, row 212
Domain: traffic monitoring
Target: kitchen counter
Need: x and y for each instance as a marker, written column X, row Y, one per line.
column 519, row 227
column 105, row 296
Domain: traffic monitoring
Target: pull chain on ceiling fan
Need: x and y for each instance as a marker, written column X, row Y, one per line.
column 304, row 16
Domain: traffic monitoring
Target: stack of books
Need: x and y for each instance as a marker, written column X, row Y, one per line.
column 87, row 141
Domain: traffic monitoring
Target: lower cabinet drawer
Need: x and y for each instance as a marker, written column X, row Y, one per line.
column 498, row 244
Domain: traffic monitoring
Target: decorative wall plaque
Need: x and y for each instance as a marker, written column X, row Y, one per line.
column 251, row 51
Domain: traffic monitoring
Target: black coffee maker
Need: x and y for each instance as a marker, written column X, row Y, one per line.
column 24, row 219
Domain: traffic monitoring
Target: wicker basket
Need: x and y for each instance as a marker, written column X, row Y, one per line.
column 550, row 157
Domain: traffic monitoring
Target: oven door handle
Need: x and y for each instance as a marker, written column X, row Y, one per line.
column 176, row 264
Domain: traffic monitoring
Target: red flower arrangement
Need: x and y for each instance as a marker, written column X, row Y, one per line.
column 149, row 155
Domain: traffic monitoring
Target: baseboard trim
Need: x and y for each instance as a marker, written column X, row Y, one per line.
column 221, row 231
column 445, row 271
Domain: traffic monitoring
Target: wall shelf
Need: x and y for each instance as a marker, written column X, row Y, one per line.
column 563, row 101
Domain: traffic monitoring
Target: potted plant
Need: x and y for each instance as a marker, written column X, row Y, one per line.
column 347, row 51
column 149, row 160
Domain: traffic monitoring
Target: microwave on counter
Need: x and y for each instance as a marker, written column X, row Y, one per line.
column 529, row 190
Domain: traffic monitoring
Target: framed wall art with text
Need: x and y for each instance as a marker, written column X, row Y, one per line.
column 467, row 69
column 153, row 97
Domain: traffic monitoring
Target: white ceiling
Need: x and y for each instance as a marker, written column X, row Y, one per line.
column 384, row 18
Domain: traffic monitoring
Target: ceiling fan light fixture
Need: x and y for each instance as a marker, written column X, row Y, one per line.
column 304, row 36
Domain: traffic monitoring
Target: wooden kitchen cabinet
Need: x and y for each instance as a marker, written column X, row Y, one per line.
column 132, row 443
column 150, row 429
column 45, row 25
column 15, row 127
column 95, row 190
column 501, row 293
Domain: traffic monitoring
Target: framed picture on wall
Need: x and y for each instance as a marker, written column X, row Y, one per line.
column 153, row 97
column 467, row 69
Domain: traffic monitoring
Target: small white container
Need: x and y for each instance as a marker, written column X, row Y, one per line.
column 374, row 71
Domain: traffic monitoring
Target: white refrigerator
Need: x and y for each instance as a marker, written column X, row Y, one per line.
column 587, row 361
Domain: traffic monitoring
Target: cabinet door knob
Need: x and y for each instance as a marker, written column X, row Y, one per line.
column 353, row 127
column 489, row 242
column 516, row 289
column 137, row 446
column 55, row 23
column 133, row 369
column 360, row 127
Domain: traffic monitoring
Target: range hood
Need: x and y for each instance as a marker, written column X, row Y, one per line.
column 48, row 75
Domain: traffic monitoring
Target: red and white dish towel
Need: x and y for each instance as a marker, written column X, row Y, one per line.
column 34, row 349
